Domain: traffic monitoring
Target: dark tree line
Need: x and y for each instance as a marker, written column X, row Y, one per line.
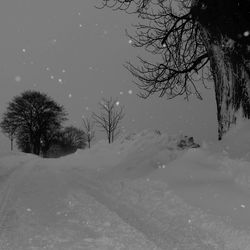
column 35, row 121
column 194, row 40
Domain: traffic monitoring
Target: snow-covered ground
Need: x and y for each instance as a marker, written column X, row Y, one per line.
column 141, row 192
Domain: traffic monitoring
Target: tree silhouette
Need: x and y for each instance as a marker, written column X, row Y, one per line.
column 23, row 141
column 10, row 130
column 110, row 117
column 194, row 40
column 88, row 129
column 71, row 138
column 33, row 114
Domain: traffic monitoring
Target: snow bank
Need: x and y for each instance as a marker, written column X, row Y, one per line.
column 10, row 161
column 236, row 142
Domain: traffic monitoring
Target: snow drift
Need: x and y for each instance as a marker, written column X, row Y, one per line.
column 143, row 191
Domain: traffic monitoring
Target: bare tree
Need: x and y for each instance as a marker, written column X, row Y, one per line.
column 9, row 129
column 31, row 115
column 88, row 129
column 109, row 119
column 194, row 40
column 71, row 139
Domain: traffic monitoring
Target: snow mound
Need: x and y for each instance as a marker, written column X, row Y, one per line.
column 236, row 142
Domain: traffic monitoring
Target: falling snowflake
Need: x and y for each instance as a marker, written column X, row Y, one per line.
column 18, row 78
column 117, row 103
column 130, row 41
column 52, row 77
column 63, row 70
column 70, row 95
column 60, row 80
column 54, row 41
column 246, row 33
column 80, row 25
column 87, row 108
column 23, row 50
column 130, row 92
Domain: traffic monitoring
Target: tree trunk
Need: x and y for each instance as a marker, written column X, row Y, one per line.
column 230, row 70
column 223, row 25
column 11, row 143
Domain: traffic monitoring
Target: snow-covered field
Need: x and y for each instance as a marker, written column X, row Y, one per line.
column 141, row 192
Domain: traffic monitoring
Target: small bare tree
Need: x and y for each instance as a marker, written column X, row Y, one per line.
column 88, row 128
column 109, row 119
column 9, row 129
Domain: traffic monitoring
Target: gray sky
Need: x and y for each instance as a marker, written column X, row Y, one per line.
column 75, row 52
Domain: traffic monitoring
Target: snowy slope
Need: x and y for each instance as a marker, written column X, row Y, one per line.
column 141, row 192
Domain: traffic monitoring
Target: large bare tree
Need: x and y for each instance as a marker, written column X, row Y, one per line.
column 194, row 40
column 31, row 115
column 110, row 117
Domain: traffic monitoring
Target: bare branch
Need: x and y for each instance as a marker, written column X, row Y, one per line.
column 110, row 117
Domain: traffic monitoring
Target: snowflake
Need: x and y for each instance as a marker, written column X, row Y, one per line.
column 246, row 33
column 18, row 78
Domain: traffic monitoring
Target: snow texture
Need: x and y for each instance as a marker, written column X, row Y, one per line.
column 141, row 192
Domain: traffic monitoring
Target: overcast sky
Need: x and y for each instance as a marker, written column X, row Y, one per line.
column 75, row 53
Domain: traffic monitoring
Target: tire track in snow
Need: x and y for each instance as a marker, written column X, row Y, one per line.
column 164, row 235
column 3, row 205
column 8, row 187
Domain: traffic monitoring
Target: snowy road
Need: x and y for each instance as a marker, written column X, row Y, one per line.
column 49, row 204
column 43, row 209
